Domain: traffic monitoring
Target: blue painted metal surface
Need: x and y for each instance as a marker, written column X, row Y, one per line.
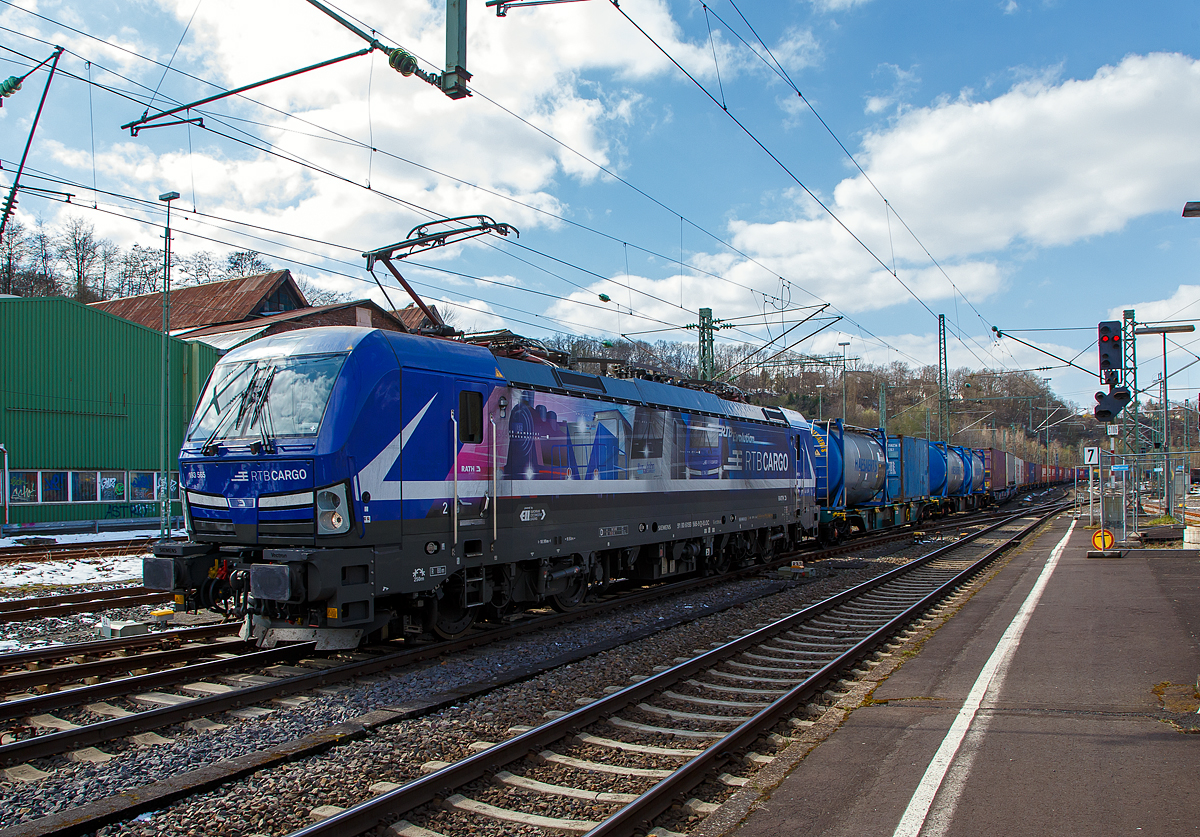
column 909, row 468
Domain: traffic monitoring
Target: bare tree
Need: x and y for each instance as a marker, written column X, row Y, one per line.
column 245, row 263
column 140, row 271
column 317, row 295
column 77, row 248
column 41, row 278
column 198, row 268
column 108, row 261
column 13, row 251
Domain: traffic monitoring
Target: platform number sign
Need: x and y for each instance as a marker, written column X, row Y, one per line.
column 1091, row 456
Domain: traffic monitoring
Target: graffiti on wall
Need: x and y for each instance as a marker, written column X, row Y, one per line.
column 118, row 511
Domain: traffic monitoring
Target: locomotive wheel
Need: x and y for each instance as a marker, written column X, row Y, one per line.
column 570, row 598
column 453, row 620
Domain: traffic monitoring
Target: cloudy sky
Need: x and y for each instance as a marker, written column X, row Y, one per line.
column 1013, row 164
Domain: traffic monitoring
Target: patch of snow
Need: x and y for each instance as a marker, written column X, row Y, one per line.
column 66, row 573
column 89, row 537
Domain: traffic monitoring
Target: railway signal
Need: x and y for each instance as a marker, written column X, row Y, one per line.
column 1110, row 404
column 1111, row 359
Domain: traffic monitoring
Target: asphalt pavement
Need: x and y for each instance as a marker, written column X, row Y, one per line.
column 1052, row 708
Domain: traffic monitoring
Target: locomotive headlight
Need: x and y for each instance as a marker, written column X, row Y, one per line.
column 332, row 515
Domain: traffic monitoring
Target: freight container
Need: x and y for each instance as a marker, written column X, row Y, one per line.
column 995, row 470
column 963, row 457
column 978, row 472
column 908, row 465
column 947, row 470
column 851, row 464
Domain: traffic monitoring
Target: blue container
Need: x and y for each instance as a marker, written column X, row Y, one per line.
column 908, row 465
column 849, row 463
column 960, row 467
column 937, row 470
column 978, row 471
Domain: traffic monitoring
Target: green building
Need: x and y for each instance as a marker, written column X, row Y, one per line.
column 80, row 398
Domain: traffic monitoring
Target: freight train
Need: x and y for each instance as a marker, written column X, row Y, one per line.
column 347, row 483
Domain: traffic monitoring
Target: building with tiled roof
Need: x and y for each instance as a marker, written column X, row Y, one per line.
column 213, row 303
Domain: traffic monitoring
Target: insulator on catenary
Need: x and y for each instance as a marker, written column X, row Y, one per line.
column 402, row 62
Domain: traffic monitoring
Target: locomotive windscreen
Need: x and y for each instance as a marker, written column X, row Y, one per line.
column 272, row 397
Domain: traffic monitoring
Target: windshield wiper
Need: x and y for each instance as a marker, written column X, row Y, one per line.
column 243, row 402
column 262, row 416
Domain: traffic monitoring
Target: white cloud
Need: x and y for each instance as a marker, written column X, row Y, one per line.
column 837, row 5
column 1041, row 165
column 905, row 82
column 797, row 49
column 1183, row 304
column 472, row 315
column 532, row 63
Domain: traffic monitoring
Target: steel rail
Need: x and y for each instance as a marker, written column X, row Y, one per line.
column 377, row 811
column 54, row 743
column 638, row 814
column 7, row 605
column 105, row 603
column 73, row 672
column 55, row 552
column 45, row 653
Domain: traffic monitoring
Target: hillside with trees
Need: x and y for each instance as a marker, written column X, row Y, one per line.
column 70, row 260
column 988, row 408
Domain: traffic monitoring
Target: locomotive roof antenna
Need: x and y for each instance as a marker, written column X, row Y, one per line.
column 429, row 236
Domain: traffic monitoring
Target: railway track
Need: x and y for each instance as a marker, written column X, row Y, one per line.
column 1189, row 517
column 155, row 797
column 69, row 552
column 199, row 680
column 680, row 729
column 41, row 607
column 44, row 670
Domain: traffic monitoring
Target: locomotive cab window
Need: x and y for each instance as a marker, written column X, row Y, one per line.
column 470, row 416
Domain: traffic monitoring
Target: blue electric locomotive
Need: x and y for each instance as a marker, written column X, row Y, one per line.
column 341, row 482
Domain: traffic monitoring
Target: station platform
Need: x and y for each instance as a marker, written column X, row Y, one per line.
column 1077, row 726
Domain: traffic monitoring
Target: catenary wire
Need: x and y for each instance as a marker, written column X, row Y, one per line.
column 300, row 161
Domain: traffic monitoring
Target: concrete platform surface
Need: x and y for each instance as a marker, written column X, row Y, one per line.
column 1078, row 733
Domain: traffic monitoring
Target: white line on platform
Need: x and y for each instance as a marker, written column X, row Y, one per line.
column 990, row 678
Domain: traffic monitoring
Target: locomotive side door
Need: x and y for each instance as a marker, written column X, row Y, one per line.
column 473, row 472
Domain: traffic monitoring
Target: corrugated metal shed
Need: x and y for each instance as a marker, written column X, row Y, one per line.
column 232, row 300
column 413, row 317
column 80, row 390
column 223, row 341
